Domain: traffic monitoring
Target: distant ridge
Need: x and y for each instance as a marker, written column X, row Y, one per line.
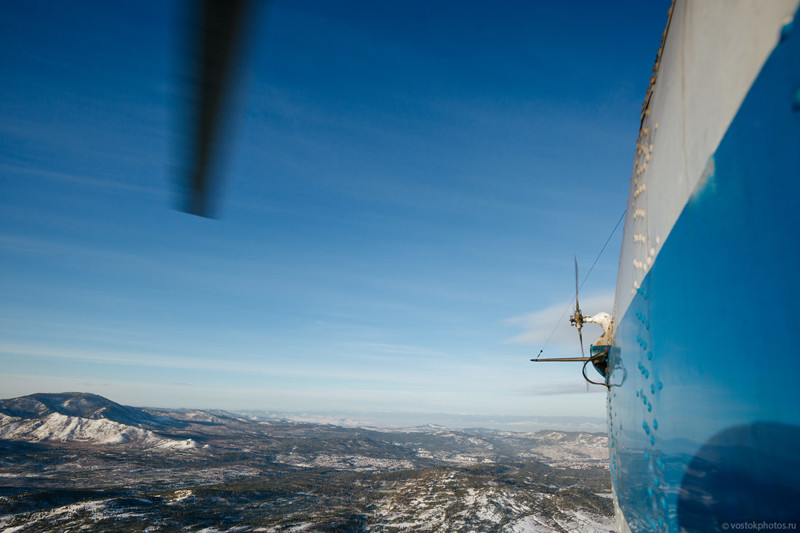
column 83, row 405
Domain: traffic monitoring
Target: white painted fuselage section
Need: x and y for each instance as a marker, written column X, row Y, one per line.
column 712, row 52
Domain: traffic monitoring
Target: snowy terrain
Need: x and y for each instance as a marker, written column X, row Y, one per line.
column 58, row 427
column 78, row 461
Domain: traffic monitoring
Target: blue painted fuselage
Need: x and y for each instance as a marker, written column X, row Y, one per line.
column 703, row 411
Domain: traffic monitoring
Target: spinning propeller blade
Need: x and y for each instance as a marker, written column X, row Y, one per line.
column 577, row 306
column 577, row 318
column 217, row 42
column 578, row 315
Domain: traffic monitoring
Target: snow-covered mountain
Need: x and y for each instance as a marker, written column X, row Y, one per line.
column 83, row 405
column 58, row 427
column 82, row 417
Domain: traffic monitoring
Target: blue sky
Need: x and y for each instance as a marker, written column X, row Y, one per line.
column 404, row 187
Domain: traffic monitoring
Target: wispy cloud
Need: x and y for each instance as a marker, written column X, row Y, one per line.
column 554, row 389
column 552, row 323
column 398, row 349
column 253, row 364
column 25, row 172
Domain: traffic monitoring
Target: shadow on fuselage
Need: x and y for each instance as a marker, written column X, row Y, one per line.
column 742, row 474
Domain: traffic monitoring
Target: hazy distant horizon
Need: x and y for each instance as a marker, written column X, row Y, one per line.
column 392, row 419
column 448, row 420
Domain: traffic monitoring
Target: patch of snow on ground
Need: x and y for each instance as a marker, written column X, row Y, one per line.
column 96, row 510
column 358, row 463
column 179, row 496
column 564, row 450
column 168, row 444
column 583, row 522
column 527, row 524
